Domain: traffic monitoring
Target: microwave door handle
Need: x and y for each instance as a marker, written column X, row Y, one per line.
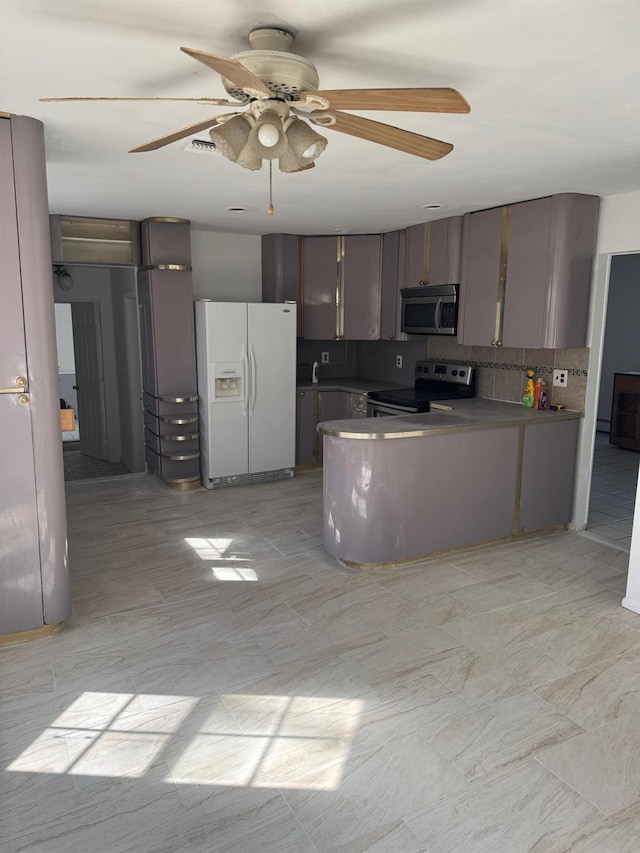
column 438, row 315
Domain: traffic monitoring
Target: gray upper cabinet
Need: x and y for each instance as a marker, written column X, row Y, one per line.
column 282, row 270
column 433, row 252
column 342, row 287
column 526, row 273
column 392, row 277
column 320, row 277
column 361, row 287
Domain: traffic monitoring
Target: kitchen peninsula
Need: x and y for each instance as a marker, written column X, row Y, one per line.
column 398, row 489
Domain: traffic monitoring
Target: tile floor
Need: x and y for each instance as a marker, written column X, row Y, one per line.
column 79, row 466
column 613, row 492
column 225, row 687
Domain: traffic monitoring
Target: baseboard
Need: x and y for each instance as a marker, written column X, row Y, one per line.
column 631, row 604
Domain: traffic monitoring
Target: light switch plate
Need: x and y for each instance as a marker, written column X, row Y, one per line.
column 560, row 377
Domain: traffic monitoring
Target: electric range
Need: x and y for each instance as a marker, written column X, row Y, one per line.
column 433, row 381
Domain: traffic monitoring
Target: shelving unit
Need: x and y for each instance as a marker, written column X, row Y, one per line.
column 86, row 240
column 625, row 411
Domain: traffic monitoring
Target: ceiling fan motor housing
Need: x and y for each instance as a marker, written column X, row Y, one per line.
column 286, row 74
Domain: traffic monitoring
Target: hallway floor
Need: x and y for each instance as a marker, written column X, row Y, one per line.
column 79, row 466
column 613, row 492
column 225, row 687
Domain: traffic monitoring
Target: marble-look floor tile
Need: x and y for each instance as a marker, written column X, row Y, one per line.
column 586, row 642
column 599, row 693
column 526, row 809
column 602, row 765
column 401, row 658
column 485, row 677
column 500, row 592
column 425, row 579
column 483, row 632
column 620, row 832
column 376, row 789
column 19, row 677
column 481, row 741
column 246, row 821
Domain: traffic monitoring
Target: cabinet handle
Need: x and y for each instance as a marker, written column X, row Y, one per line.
column 391, row 337
column 498, row 343
column 301, row 393
column 337, row 337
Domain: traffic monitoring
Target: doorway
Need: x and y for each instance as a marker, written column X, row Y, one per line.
column 615, row 469
column 99, row 370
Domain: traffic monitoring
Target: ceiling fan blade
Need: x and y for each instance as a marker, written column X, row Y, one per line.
column 220, row 101
column 385, row 134
column 232, row 70
column 173, row 137
column 406, row 100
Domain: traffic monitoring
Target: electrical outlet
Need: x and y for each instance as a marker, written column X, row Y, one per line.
column 325, row 358
column 560, row 377
column 398, row 361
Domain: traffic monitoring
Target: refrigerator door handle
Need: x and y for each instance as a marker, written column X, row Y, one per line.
column 247, row 379
column 254, row 380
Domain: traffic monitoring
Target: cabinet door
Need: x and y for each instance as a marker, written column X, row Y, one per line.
column 480, row 277
column 390, row 283
column 173, row 331
column 320, row 277
column 361, row 287
column 281, row 267
column 433, row 252
column 334, row 405
column 525, row 304
column 305, row 427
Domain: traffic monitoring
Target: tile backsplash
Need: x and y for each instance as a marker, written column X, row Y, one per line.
column 501, row 371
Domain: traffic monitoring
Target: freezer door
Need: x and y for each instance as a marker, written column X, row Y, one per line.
column 221, row 328
column 272, row 399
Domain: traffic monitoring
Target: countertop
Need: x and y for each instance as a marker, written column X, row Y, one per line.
column 473, row 414
column 352, row 384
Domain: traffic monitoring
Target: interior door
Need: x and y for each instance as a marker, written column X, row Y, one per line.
column 87, row 344
column 272, row 405
column 20, row 579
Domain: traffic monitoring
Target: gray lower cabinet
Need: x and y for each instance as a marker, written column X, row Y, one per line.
column 526, row 273
column 314, row 406
column 306, row 443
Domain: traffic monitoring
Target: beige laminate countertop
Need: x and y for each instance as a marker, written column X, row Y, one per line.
column 351, row 384
column 473, row 414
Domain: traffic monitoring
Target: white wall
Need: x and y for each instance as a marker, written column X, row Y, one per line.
column 226, row 267
column 93, row 284
column 64, row 339
column 621, row 339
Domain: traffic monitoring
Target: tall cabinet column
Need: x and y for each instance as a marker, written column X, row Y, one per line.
column 34, row 576
column 170, row 397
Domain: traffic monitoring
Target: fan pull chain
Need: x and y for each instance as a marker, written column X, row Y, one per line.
column 270, row 208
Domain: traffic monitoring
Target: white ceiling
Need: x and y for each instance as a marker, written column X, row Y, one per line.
column 553, row 86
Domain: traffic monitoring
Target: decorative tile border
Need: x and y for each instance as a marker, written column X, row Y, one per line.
column 494, row 365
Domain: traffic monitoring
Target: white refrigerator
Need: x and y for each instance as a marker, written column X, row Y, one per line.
column 246, row 360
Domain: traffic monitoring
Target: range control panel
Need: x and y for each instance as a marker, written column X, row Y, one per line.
column 460, row 374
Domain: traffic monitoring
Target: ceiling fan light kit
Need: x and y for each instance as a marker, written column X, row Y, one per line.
column 274, row 83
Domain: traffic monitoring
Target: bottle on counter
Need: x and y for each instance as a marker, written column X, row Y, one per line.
column 544, row 400
column 314, row 373
column 537, row 390
column 529, row 391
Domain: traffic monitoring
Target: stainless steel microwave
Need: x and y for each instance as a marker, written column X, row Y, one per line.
column 430, row 310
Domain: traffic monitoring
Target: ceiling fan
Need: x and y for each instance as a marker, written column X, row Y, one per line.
column 280, row 90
